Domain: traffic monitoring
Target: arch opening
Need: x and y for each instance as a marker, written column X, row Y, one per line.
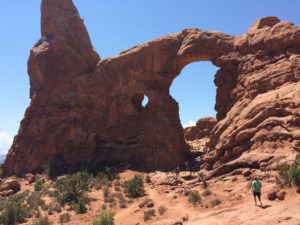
column 145, row 101
column 140, row 101
column 195, row 92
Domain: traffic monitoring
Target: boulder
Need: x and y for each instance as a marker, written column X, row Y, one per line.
column 192, row 133
column 272, row 193
column 205, row 125
column 30, row 178
column 150, row 204
column 10, row 184
column 6, row 193
column 281, row 195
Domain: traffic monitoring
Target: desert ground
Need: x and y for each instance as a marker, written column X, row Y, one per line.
column 228, row 201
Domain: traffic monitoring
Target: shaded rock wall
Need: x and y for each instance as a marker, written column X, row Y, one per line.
column 83, row 108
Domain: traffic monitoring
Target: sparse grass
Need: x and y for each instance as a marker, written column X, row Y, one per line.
column 54, row 207
column 206, row 192
column 38, row 186
column 194, row 197
column 202, row 178
column 64, row 218
column 145, row 202
column 109, row 199
column 122, row 199
column 34, row 200
column 134, row 188
column 42, row 221
column 149, row 214
column 98, row 183
column 186, row 192
column 106, row 218
column 215, row 202
column 161, row 210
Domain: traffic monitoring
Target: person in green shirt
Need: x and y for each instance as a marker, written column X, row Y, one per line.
column 256, row 188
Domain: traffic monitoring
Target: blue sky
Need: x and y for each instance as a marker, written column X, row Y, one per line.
column 118, row 25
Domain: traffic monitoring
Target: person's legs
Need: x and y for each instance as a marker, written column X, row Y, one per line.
column 254, row 195
column 259, row 194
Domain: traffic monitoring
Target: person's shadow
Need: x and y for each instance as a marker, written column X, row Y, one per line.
column 264, row 206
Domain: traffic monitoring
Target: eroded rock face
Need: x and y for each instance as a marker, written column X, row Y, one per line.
column 84, row 109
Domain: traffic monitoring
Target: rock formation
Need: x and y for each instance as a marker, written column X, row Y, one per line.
column 83, row 108
column 202, row 129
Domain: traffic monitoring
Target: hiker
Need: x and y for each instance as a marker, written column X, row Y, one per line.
column 187, row 167
column 177, row 170
column 256, row 188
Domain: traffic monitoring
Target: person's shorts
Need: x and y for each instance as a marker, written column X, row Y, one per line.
column 256, row 194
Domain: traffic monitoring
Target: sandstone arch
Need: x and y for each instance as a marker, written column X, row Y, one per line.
column 83, row 108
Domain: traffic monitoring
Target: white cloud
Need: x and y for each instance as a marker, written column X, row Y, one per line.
column 191, row 123
column 5, row 142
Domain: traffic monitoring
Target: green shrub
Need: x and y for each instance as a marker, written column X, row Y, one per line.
column 289, row 175
column 215, row 202
column 72, row 188
column 206, row 192
column 194, row 197
column 44, row 220
column 13, row 214
column 134, row 187
column 15, row 210
column 38, row 186
column 295, row 171
column 80, row 207
column 148, row 214
column 161, row 210
column 105, row 190
column 64, row 218
column 284, row 175
column 106, row 218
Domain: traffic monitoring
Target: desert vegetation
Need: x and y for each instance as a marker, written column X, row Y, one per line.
column 289, row 175
column 66, row 197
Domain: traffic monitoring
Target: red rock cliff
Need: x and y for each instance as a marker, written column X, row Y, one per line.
column 84, row 109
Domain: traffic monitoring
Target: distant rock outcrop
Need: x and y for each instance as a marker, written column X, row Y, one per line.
column 84, row 109
column 202, row 129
